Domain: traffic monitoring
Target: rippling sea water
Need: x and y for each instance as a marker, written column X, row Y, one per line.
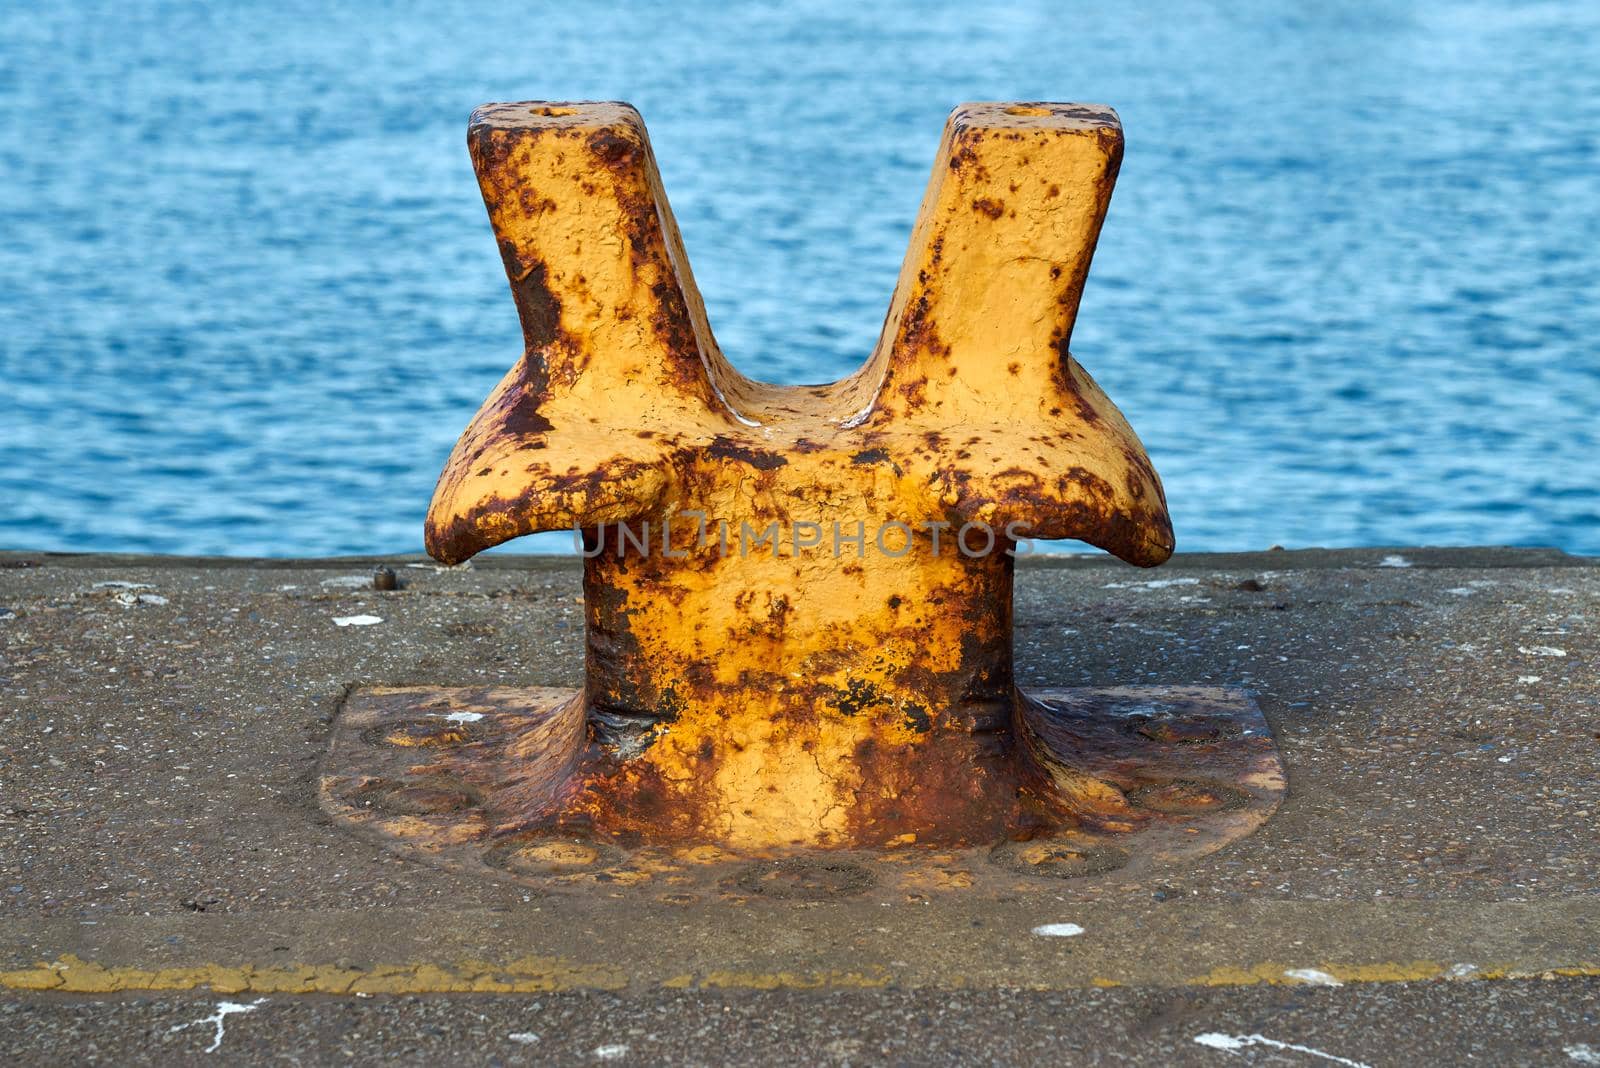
column 1348, row 292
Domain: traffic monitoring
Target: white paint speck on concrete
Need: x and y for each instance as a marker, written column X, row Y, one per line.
column 128, row 599
column 1152, row 584
column 1235, row 1043
column 225, row 1009
column 1393, row 560
column 348, row 582
column 1583, row 1053
column 1528, row 680
column 610, row 1053
column 457, row 717
column 1541, row 650
column 356, row 621
column 1313, row 976
column 1058, row 930
column 523, row 1038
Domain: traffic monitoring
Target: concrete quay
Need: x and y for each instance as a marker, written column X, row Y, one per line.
column 1429, row 891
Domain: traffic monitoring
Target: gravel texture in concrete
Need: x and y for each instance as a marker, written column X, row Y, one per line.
column 1437, row 711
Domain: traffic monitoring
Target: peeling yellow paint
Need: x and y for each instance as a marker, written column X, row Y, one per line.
column 70, row 974
column 1381, row 972
column 734, row 980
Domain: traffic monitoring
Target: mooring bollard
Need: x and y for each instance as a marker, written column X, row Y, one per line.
column 798, row 598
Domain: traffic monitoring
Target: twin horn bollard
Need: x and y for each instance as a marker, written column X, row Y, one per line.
column 798, row 598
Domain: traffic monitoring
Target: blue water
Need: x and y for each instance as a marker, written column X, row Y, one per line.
column 1348, row 293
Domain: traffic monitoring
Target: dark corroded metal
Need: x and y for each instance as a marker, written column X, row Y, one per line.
column 441, row 774
column 798, row 598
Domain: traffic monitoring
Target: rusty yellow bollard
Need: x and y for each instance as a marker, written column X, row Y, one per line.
column 798, row 598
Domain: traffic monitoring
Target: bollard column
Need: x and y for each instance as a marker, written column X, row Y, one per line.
column 798, row 598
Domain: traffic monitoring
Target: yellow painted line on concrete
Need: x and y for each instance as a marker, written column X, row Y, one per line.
column 1385, row 972
column 1388, row 972
column 527, row 975
column 735, row 980
column 69, row 974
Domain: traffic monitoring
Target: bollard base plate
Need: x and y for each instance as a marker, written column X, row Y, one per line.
column 443, row 774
